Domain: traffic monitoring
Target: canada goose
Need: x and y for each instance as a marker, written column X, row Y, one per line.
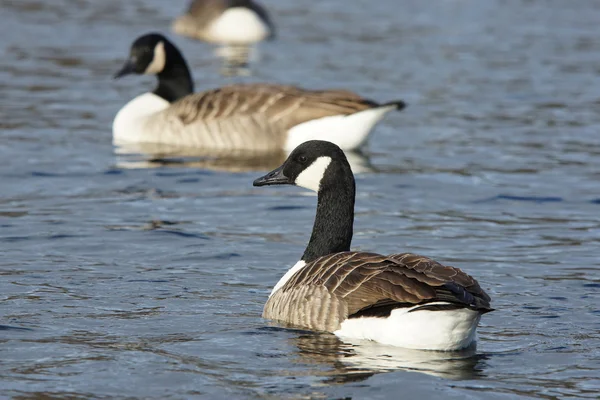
column 404, row 300
column 261, row 117
column 234, row 22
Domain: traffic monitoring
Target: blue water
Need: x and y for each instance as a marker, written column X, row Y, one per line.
column 124, row 277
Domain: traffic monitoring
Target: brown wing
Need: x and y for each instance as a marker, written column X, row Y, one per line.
column 453, row 277
column 280, row 105
column 206, row 11
column 351, row 282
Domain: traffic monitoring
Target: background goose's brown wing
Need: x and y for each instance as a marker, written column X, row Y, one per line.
column 205, row 12
column 334, row 287
column 199, row 16
column 276, row 104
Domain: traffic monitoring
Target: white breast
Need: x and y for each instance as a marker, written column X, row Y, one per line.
column 349, row 132
column 424, row 330
column 238, row 25
column 129, row 123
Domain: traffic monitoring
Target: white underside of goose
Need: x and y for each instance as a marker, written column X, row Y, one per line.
column 238, row 25
column 128, row 125
column 424, row 329
column 347, row 131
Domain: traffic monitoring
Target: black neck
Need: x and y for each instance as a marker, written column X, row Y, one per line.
column 332, row 231
column 240, row 3
column 175, row 80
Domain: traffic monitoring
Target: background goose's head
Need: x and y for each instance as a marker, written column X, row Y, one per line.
column 314, row 165
column 150, row 54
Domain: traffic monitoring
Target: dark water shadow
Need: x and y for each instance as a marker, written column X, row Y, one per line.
column 58, row 395
column 529, row 199
column 13, row 328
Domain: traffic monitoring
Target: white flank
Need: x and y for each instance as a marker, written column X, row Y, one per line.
column 238, row 25
column 423, row 330
column 129, row 122
column 297, row 267
column 158, row 60
column 310, row 177
column 349, row 132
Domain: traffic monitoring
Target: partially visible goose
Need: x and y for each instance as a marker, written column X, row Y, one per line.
column 234, row 22
column 262, row 117
column 403, row 299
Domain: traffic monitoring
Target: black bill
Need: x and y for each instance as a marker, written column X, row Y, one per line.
column 275, row 177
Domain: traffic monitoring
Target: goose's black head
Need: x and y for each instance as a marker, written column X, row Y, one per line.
column 154, row 54
column 315, row 165
column 149, row 55
column 321, row 166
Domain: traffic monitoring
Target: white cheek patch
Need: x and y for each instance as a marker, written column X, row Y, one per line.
column 158, row 60
column 311, row 177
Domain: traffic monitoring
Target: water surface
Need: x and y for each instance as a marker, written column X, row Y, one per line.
column 124, row 277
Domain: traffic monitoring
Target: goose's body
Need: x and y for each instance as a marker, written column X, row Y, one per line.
column 403, row 300
column 237, row 22
column 253, row 116
column 393, row 300
column 262, row 117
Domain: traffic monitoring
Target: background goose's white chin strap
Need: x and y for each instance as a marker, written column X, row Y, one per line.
column 311, row 177
column 158, row 60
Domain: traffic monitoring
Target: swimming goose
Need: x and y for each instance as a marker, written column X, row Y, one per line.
column 261, row 117
column 237, row 22
column 404, row 300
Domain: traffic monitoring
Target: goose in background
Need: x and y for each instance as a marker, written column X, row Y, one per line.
column 404, row 300
column 234, row 24
column 257, row 117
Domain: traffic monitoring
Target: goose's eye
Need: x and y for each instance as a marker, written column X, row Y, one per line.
column 301, row 159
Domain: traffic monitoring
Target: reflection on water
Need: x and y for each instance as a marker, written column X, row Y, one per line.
column 152, row 155
column 236, row 60
column 355, row 361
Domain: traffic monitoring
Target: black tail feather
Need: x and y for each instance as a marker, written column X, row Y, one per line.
column 400, row 105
